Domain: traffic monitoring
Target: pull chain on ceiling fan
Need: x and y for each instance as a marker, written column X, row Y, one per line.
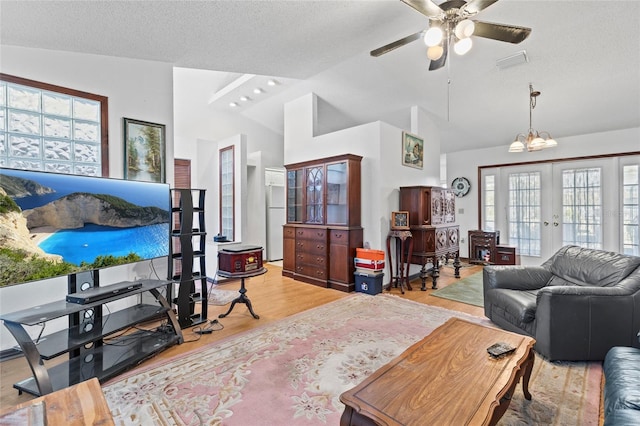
column 451, row 23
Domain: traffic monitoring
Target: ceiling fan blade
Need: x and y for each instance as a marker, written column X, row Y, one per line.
column 501, row 32
column 398, row 43
column 426, row 7
column 475, row 6
column 439, row 63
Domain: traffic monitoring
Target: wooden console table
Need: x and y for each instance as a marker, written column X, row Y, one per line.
column 402, row 258
column 446, row 378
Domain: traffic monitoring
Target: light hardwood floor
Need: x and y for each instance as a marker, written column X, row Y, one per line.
column 273, row 297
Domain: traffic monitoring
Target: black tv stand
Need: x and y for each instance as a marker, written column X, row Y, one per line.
column 90, row 354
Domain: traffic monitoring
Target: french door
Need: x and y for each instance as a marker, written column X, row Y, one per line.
column 543, row 206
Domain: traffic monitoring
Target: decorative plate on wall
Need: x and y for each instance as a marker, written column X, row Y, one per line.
column 460, row 186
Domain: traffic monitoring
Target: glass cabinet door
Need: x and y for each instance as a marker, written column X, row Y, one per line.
column 337, row 211
column 294, row 195
column 315, row 194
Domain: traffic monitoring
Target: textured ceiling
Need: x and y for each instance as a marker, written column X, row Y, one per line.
column 584, row 56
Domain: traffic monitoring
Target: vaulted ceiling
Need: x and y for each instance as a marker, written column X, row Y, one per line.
column 584, row 56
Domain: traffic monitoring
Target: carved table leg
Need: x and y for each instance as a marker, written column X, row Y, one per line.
column 435, row 273
column 456, row 265
column 423, row 275
column 526, row 375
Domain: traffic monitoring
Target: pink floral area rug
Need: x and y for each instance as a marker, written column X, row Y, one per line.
column 292, row 372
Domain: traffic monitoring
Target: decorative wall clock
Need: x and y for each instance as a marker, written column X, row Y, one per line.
column 460, row 186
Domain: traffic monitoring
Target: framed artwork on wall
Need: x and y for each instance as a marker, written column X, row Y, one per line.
column 412, row 150
column 400, row 220
column 144, row 150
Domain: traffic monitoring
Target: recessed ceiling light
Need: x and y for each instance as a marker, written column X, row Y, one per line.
column 233, row 104
column 257, row 90
column 244, row 98
column 272, row 82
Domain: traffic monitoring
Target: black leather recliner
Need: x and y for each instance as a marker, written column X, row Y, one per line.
column 577, row 305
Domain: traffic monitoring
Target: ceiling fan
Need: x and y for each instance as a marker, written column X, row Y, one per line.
column 451, row 23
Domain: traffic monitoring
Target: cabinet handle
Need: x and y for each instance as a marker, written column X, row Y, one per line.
column 337, row 235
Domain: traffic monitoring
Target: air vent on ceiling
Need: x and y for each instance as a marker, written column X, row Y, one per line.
column 512, row 60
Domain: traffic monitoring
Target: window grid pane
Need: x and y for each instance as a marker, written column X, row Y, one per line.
column 525, row 212
column 226, row 193
column 44, row 130
column 489, row 207
column 582, row 207
column 631, row 210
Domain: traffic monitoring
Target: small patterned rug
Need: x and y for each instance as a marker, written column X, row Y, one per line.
column 466, row 290
column 220, row 297
column 292, row 372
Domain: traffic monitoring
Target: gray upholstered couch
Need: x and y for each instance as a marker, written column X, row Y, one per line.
column 577, row 305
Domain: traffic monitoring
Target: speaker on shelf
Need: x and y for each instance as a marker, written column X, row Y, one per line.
column 81, row 281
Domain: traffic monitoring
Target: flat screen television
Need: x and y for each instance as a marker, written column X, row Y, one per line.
column 58, row 224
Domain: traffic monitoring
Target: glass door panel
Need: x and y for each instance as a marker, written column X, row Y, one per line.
column 315, row 195
column 295, row 192
column 337, row 212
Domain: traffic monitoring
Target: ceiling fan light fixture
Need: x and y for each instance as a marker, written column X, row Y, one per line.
column 464, row 29
column 463, row 46
column 435, row 52
column 433, row 36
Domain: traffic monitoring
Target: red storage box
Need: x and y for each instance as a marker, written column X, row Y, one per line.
column 372, row 265
column 362, row 253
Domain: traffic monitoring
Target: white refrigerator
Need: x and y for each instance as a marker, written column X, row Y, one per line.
column 275, row 219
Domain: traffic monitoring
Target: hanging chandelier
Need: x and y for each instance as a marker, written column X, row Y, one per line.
column 533, row 140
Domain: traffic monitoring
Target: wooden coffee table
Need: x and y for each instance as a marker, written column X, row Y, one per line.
column 446, row 378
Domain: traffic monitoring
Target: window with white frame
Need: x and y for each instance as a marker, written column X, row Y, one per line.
column 489, row 203
column 227, row 205
column 51, row 128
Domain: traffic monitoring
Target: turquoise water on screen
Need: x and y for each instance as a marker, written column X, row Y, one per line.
column 85, row 244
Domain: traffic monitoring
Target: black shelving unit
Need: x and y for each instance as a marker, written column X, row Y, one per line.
column 98, row 345
column 187, row 259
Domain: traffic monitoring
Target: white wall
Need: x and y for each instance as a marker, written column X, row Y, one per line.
column 136, row 89
column 466, row 163
column 379, row 144
column 198, row 124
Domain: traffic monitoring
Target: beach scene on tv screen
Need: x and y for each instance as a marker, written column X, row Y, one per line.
column 56, row 224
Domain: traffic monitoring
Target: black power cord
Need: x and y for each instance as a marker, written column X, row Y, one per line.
column 214, row 325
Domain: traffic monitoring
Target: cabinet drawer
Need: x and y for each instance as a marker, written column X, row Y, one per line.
column 311, row 233
column 311, row 259
column 482, row 241
column 289, row 232
column 310, row 246
column 339, row 236
column 312, row 271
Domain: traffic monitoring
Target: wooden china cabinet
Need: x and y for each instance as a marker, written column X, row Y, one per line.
column 323, row 221
column 432, row 219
